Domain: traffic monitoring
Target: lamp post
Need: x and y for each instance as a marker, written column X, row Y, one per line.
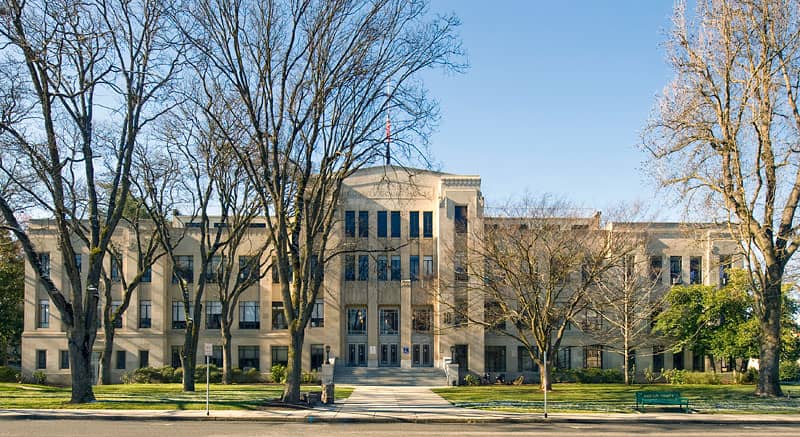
column 328, row 353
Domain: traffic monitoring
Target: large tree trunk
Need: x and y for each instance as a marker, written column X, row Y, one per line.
column 227, row 374
column 294, row 370
column 769, row 357
column 545, row 382
column 626, row 357
column 189, row 356
column 80, row 341
column 108, row 350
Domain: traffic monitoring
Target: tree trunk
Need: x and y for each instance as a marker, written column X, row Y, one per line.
column 294, row 369
column 108, row 350
column 769, row 357
column 626, row 361
column 80, row 341
column 227, row 373
column 545, row 382
column 189, row 355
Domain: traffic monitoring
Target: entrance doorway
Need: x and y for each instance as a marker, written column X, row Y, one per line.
column 461, row 357
column 357, row 354
column 421, row 355
column 389, row 356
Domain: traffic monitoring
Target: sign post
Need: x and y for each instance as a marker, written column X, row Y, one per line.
column 209, row 350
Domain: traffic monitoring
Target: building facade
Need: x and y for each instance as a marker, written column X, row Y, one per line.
column 382, row 299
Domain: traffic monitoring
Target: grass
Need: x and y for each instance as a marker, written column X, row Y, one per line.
column 151, row 396
column 617, row 398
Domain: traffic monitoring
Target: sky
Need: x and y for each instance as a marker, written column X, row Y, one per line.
column 555, row 97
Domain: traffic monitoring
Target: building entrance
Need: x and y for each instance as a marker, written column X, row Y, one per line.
column 421, row 355
column 389, row 356
column 357, row 354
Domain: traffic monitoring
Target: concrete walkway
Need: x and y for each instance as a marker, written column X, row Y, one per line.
column 378, row 404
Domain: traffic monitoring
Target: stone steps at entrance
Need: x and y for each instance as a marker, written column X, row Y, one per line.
column 390, row 376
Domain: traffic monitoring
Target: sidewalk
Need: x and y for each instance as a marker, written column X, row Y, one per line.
column 370, row 404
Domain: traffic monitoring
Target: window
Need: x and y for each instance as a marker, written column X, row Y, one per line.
column 655, row 268
column 248, row 357
column 121, row 360
column 349, row 268
column 495, row 358
column 493, row 315
column 413, row 224
column 390, row 321
column 395, row 224
column 564, row 358
column 216, row 356
column 317, row 356
column 349, row 224
column 147, row 275
column 183, row 269
column 145, row 313
column 396, row 268
column 314, row 266
column 524, row 361
column 63, row 360
column 592, row 320
column 725, row 264
column 675, row 268
column 178, row 315
column 275, row 277
column 427, row 224
column 658, row 358
column 248, row 315
column 318, row 315
column 248, row 268
column 44, row 261
column 144, row 359
column 381, row 267
column 427, row 266
column 78, row 262
column 41, row 359
column 213, row 314
column 363, row 224
column 593, row 357
column 280, row 355
column 363, row 267
column 461, row 307
column 461, row 219
column 413, row 267
column 118, row 318
column 116, row 269
column 382, row 224
column 357, row 321
column 422, row 320
column 216, row 270
column 176, row 352
column 44, row 314
column 695, row 270
column 460, row 269
column 278, row 316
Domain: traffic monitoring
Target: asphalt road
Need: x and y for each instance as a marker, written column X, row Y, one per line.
column 118, row 428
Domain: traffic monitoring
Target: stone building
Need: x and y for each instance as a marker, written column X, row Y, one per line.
column 381, row 300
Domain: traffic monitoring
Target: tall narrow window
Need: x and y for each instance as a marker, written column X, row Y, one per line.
column 381, row 267
column 695, row 270
column 524, row 361
column 395, row 224
column 248, row 268
column 382, row 224
column 278, row 316
column 427, row 224
column 350, row 224
column 63, row 360
column 41, row 359
column 396, row 268
column 655, row 268
column 116, row 269
column 495, row 358
column 461, row 219
column 44, row 314
column 121, row 357
column 413, row 267
column 213, row 314
column 44, row 261
column 114, row 308
column 215, row 271
column 725, row 264
column 349, row 268
column 145, row 313
column 318, row 315
column 178, row 315
column 422, row 320
column 363, row 267
column 248, row 315
column 147, row 275
column 183, row 269
column 427, row 266
column 593, row 357
column 144, row 358
column 675, row 270
column 363, row 224
column 413, row 224
column 78, row 261
column 357, row 320
column 389, row 321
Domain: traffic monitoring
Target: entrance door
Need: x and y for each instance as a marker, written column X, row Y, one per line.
column 390, row 356
column 421, row 355
column 356, row 354
column 461, row 357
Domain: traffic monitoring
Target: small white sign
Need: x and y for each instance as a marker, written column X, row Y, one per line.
column 209, row 349
column 373, row 350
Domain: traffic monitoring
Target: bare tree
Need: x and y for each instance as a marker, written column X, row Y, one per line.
column 531, row 268
column 309, row 79
column 85, row 79
column 726, row 132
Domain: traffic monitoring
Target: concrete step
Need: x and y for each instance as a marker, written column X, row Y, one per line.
column 390, row 376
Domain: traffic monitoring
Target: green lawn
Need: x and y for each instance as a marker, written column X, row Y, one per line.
column 617, row 398
column 151, row 396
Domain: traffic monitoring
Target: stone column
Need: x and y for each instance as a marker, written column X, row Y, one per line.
column 373, row 326
column 406, row 313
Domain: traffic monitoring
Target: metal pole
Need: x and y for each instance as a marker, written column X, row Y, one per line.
column 546, row 381
column 207, row 384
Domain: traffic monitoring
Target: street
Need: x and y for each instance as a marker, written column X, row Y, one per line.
column 218, row 428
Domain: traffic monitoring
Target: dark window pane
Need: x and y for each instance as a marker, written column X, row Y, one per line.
column 350, row 224
column 413, row 224
column 413, row 267
column 427, row 224
column 363, row 224
column 382, row 224
column 461, row 219
column 395, row 224
column 349, row 268
column 363, row 267
column 396, row 268
column 381, row 267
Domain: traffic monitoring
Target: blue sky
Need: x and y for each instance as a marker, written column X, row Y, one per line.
column 555, row 97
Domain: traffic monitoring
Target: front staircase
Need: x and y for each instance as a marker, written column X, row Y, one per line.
column 390, row 376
